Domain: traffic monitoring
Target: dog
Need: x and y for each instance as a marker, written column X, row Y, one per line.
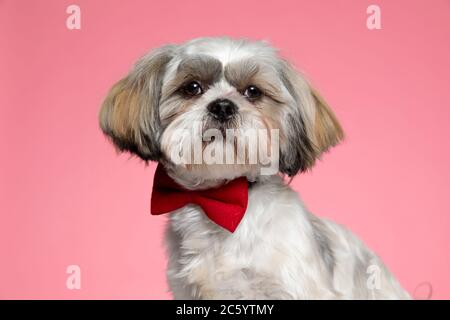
column 276, row 249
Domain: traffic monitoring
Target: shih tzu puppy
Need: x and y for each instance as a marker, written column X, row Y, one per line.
column 227, row 120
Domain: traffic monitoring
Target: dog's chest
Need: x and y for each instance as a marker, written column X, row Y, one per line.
column 249, row 262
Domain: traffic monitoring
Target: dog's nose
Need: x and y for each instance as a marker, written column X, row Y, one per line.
column 222, row 109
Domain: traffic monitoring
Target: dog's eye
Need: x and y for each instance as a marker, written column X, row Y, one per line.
column 252, row 92
column 193, row 88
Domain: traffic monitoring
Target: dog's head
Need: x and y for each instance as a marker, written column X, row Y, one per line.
column 230, row 86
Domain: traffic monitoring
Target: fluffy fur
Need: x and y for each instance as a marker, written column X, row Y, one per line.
column 280, row 250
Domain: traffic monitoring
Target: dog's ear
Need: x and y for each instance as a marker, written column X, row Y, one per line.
column 130, row 112
column 311, row 126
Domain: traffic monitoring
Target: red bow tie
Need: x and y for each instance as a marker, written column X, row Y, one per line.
column 224, row 205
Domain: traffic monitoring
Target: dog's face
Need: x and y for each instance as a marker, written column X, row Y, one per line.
column 223, row 85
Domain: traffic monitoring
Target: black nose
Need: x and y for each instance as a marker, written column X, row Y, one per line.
column 222, row 109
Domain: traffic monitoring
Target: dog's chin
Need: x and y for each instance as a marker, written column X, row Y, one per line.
column 204, row 176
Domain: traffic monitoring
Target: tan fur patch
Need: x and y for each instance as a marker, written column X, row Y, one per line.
column 120, row 112
column 328, row 132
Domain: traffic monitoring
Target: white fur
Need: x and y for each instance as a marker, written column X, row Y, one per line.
column 273, row 254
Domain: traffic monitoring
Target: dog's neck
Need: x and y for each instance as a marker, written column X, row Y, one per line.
column 192, row 182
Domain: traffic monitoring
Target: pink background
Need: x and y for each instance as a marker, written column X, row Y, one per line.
column 68, row 198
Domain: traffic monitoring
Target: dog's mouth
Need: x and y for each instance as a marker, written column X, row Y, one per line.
column 221, row 125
